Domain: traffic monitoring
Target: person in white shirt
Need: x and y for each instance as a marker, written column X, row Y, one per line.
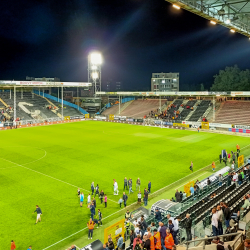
column 89, row 200
column 116, row 191
column 173, row 220
column 176, row 230
column 214, row 222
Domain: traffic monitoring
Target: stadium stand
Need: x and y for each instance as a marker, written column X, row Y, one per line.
column 31, row 106
column 199, row 111
column 113, row 110
column 140, row 108
column 237, row 112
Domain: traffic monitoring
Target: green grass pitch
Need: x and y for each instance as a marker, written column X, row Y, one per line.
column 45, row 165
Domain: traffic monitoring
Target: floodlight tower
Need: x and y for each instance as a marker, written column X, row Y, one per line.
column 94, row 70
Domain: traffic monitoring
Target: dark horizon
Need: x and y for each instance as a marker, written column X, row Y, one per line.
column 137, row 38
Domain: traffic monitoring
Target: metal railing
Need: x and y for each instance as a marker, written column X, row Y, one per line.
column 239, row 236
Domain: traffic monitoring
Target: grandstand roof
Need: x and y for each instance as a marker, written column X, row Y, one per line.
column 180, row 93
column 13, row 83
column 233, row 14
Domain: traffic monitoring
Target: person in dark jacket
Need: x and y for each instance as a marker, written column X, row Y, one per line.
column 163, row 234
column 188, row 225
column 125, row 198
column 240, row 179
column 149, row 187
column 229, row 179
column 177, row 196
column 158, row 215
column 181, row 195
column 220, row 158
column 125, row 183
column 227, row 215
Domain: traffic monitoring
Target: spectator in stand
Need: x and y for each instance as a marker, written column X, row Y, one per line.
column 208, row 182
column 192, row 190
column 181, row 195
column 138, row 238
column 137, row 245
column 247, row 244
column 240, row 179
column 120, row 242
column 13, row 245
column 168, row 242
column 173, row 220
column 157, row 240
column 184, row 195
column 229, row 179
column 220, row 219
column 147, row 242
column 227, row 215
column 128, row 215
column 143, row 225
column 220, row 179
column 177, row 196
column 132, row 237
column 171, row 227
column 152, row 228
column 90, row 226
column 220, row 244
column 245, row 172
column 248, row 172
column 214, row 222
column 149, row 187
column 187, row 226
column 162, row 234
column 158, row 215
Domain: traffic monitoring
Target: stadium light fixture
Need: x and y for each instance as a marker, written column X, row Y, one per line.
column 96, row 58
column 233, row 31
column 228, row 21
column 212, row 22
column 176, row 6
column 94, row 67
column 95, row 75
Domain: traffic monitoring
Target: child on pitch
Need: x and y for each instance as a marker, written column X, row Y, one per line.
column 120, row 202
column 81, row 199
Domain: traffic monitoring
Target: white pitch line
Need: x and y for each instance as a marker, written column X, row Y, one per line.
column 49, row 176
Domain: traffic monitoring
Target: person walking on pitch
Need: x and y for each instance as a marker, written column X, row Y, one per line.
column 92, row 188
column 39, row 213
column 81, row 199
column 191, row 167
column 78, row 192
column 116, row 191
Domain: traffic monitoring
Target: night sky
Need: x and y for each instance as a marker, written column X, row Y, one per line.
column 52, row 38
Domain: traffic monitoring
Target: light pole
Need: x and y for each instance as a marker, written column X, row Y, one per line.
column 94, row 70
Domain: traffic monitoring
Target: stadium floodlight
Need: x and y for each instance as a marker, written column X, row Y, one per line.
column 96, row 58
column 176, row 6
column 94, row 75
column 94, row 67
column 212, row 22
column 233, row 31
column 228, row 21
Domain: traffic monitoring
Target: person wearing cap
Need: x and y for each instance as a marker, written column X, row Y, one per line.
column 158, row 215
